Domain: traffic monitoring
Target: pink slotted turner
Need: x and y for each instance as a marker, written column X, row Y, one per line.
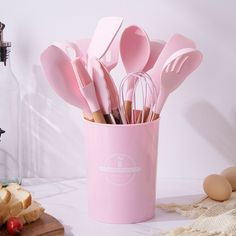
column 175, row 70
column 175, row 43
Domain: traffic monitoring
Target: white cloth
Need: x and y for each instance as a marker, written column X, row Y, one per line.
column 214, row 218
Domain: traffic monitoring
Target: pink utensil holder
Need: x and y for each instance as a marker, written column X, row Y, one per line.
column 121, row 165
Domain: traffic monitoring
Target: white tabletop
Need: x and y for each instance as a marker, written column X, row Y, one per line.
column 67, row 201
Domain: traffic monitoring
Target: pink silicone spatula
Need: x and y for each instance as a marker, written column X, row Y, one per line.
column 102, row 91
column 60, row 75
column 88, row 89
column 175, row 70
column 109, row 59
column 135, row 53
column 113, row 93
column 104, row 34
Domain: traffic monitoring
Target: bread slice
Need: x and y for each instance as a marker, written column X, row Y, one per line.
column 20, row 199
column 5, row 197
column 32, row 213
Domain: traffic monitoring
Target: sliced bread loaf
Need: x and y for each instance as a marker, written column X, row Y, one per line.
column 20, row 199
column 15, row 201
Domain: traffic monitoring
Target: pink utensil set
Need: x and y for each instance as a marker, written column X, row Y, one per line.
column 154, row 70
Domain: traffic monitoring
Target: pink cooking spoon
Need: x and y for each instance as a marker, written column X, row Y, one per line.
column 134, row 49
column 135, row 53
column 60, row 75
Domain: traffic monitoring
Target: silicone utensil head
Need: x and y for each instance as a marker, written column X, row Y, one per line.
column 134, row 49
column 175, row 43
column 177, row 68
column 105, row 32
column 102, row 91
column 60, row 75
column 113, row 92
column 109, row 59
column 175, row 71
column 155, row 50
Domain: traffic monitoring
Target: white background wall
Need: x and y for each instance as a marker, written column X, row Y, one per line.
column 198, row 124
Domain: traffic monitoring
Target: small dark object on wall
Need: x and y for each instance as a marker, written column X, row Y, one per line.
column 1, row 132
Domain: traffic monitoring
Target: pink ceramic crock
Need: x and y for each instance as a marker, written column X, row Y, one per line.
column 121, row 165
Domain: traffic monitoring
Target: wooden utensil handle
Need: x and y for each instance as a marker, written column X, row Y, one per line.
column 109, row 119
column 146, row 111
column 128, row 110
column 117, row 116
column 155, row 116
column 98, row 117
column 87, row 118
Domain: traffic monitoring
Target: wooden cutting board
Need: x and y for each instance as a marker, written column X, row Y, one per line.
column 45, row 226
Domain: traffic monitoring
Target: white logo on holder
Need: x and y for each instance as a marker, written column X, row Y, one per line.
column 120, row 169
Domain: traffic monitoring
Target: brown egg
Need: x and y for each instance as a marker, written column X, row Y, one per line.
column 217, row 187
column 230, row 175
